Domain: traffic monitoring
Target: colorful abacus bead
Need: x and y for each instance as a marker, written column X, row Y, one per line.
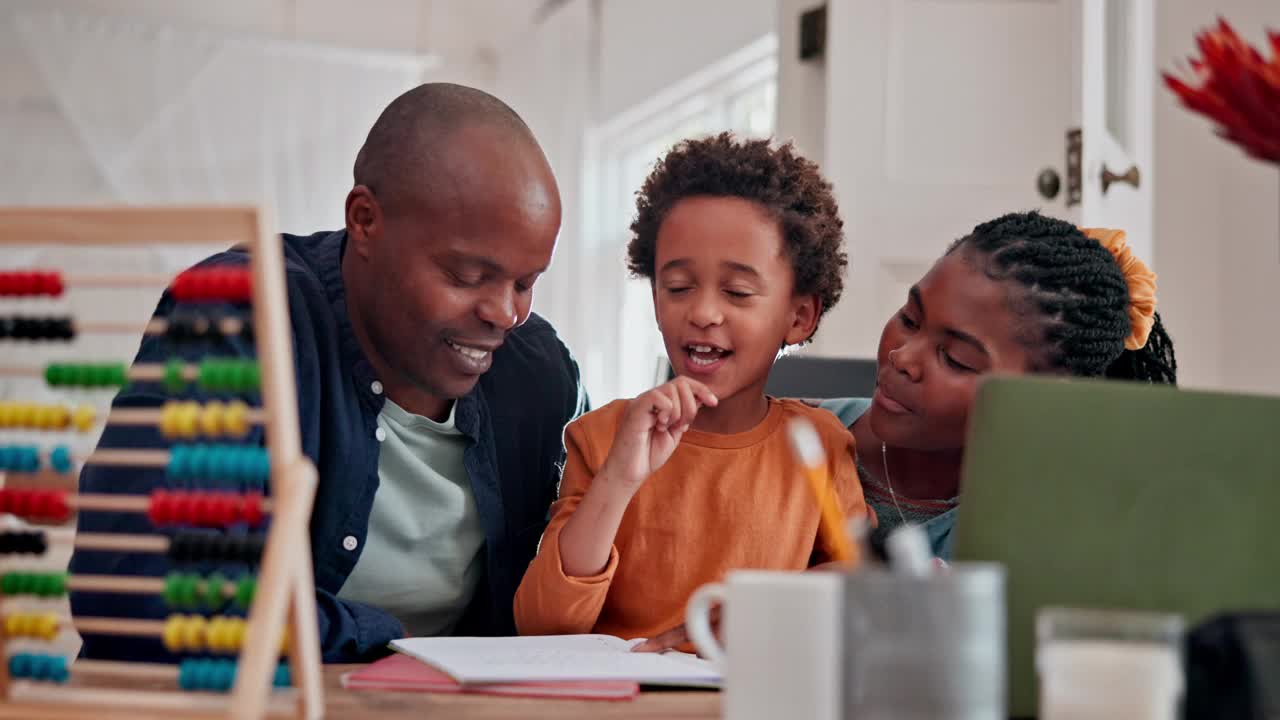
column 192, row 547
column 175, row 379
column 181, row 591
column 29, row 283
column 229, row 375
column 93, row 375
column 36, row 328
column 22, row 542
column 219, row 674
column 43, row 626
column 225, row 635
column 227, row 464
column 226, row 284
column 35, row 504
column 37, row 666
column 246, row 586
column 60, row 459
column 40, row 584
column 35, row 416
column 84, row 417
column 205, row 509
column 19, row 458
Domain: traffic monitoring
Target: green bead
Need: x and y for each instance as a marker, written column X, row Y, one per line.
column 190, row 591
column 252, row 376
column 210, row 373
column 245, row 589
column 174, row 382
column 213, row 591
column 53, row 374
column 117, row 375
column 9, row 583
column 172, row 590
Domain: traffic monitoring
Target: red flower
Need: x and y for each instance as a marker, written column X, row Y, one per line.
column 1237, row 88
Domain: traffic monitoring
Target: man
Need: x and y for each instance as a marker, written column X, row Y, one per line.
column 431, row 399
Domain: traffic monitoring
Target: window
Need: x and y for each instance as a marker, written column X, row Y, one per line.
column 739, row 94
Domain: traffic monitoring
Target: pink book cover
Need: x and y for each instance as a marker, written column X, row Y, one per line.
column 407, row 674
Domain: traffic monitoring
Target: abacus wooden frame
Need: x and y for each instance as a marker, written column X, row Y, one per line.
column 286, row 591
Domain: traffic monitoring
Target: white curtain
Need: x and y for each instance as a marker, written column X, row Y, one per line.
column 98, row 109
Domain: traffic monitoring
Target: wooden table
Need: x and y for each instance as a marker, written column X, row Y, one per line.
column 385, row 705
column 379, row 705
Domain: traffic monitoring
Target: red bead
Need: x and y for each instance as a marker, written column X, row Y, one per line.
column 58, row 508
column 180, row 287
column 204, row 510
column 53, row 284
column 243, row 290
column 6, row 501
column 159, row 511
column 228, row 509
column 26, row 284
column 251, row 509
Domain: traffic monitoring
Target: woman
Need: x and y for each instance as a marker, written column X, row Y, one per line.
column 1021, row 294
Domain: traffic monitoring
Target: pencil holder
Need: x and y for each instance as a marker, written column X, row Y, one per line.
column 925, row 647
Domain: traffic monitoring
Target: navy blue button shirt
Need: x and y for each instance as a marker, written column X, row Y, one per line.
column 513, row 421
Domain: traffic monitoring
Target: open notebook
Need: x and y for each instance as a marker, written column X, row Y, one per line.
column 471, row 660
column 407, row 674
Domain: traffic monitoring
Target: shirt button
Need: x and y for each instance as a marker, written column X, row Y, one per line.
column 350, row 542
column 376, row 387
column 380, row 434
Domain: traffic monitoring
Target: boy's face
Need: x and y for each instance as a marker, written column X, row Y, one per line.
column 724, row 293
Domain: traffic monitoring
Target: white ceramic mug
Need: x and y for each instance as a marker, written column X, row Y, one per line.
column 782, row 630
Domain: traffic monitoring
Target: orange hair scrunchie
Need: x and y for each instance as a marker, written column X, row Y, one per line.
column 1140, row 279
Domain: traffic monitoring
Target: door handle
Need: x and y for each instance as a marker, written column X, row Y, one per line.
column 1130, row 176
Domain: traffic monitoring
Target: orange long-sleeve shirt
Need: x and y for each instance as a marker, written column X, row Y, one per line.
column 719, row 503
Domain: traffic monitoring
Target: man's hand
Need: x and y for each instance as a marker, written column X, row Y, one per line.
column 650, row 430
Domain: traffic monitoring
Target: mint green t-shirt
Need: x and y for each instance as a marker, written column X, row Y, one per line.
column 421, row 560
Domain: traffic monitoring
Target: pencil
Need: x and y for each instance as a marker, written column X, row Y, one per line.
column 808, row 448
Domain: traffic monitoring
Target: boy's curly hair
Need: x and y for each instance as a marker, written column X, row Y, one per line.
column 786, row 185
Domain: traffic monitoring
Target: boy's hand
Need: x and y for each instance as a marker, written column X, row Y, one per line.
column 651, row 428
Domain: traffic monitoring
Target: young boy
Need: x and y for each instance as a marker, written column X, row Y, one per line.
column 742, row 243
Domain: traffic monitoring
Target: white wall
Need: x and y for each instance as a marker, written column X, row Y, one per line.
column 1217, row 213
column 802, row 85
column 1217, row 218
column 649, row 45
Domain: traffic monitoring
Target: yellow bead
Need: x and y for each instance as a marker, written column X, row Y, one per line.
column 172, row 635
column 27, row 415
column 168, row 419
column 6, row 414
column 188, row 419
column 13, row 625
column 83, row 417
column 44, row 417
column 211, row 418
column 61, row 417
column 236, row 420
column 45, row 626
column 217, row 634
column 193, row 633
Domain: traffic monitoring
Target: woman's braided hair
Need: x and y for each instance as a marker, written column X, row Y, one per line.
column 1075, row 289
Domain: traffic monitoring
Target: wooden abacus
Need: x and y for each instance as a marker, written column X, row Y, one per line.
column 281, row 599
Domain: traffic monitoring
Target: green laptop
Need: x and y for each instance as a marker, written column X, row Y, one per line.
column 1118, row 495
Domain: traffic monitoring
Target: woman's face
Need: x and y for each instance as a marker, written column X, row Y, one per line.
column 956, row 326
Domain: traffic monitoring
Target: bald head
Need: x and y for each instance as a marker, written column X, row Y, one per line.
column 405, row 149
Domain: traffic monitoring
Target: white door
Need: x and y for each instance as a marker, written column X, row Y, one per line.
column 943, row 113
